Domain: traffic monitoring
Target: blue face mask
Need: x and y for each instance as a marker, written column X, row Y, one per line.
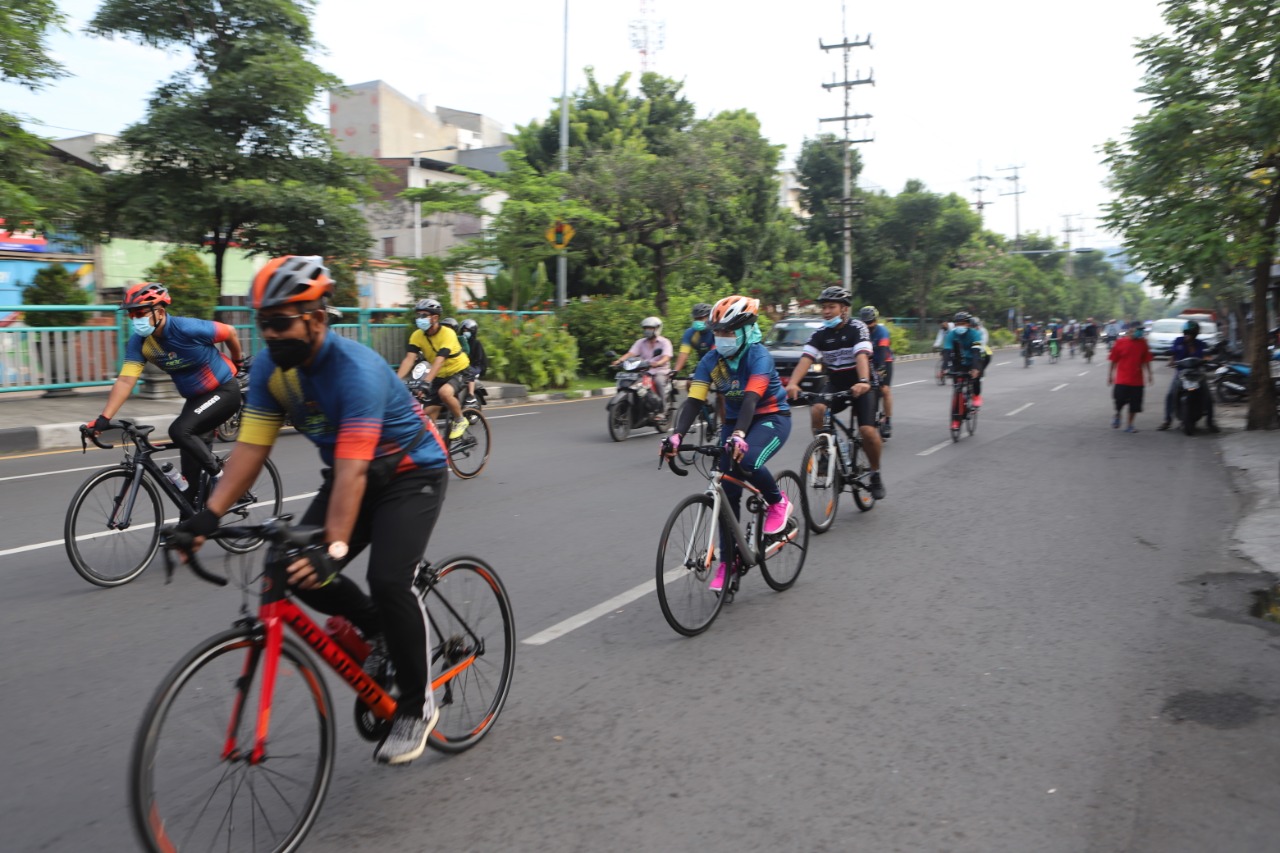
column 727, row 346
column 700, row 325
column 833, row 322
column 423, row 323
column 143, row 326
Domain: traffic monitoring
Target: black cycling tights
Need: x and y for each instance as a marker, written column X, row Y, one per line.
column 202, row 414
column 396, row 520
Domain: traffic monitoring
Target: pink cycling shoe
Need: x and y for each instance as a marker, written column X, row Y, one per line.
column 775, row 518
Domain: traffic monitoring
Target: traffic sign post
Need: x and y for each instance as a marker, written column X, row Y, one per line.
column 560, row 234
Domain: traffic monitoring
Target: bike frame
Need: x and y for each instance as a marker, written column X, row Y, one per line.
column 963, row 393
column 275, row 611
column 141, row 464
column 852, row 433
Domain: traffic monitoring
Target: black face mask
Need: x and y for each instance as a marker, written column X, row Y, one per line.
column 288, row 353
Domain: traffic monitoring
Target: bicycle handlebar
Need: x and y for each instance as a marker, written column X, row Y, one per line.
column 274, row 530
column 810, row 397
column 674, row 461
column 128, row 427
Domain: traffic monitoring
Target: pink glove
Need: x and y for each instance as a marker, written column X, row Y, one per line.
column 737, row 446
column 670, row 445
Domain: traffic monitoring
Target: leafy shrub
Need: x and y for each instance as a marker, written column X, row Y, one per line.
column 1003, row 338
column 536, row 352
column 53, row 285
column 899, row 338
column 189, row 280
column 605, row 323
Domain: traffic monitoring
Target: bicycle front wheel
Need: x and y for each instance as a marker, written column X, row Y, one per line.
column 106, row 547
column 263, row 500
column 469, row 452
column 784, row 552
column 860, row 485
column 192, row 782
column 971, row 422
column 473, row 650
column 822, row 485
column 687, row 565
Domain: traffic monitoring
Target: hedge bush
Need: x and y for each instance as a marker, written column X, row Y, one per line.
column 189, row 280
column 536, row 352
column 1003, row 338
column 605, row 323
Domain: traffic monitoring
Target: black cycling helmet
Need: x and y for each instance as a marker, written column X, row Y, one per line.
column 962, row 317
column 431, row 306
column 450, row 322
column 868, row 314
column 701, row 311
column 835, row 293
column 470, row 327
column 1191, row 326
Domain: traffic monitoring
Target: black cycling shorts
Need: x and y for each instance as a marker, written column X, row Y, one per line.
column 456, row 381
column 886, row 374
column 864, row 407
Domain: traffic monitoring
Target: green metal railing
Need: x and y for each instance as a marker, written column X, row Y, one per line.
column 61, row 357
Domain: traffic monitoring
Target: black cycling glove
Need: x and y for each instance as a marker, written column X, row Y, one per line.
column 203, row 523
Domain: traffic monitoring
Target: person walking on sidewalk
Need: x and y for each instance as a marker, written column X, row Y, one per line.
column 183, row 347
column 1129, row 356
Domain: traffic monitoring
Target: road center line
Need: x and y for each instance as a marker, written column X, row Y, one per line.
column 516, row 415
column 1003, row 363
column 1086, row 373
column 935, row 448
column 905, row 384
column 69, row 470
column 592, row 614
column 1019, row 409
column 53, row 542
column 1060, row 387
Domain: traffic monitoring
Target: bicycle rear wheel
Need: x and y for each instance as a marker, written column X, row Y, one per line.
column 473, row 649
column 469, row 452
column 229, row 430
column 263, row 500
column 101, row 552
column 784, row 552
column 686, row 566
column 941, row 374
column 860, row 471
column 191, row 782
column 822, row 485
column 971, row 422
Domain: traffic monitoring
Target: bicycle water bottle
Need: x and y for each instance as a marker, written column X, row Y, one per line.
column 342, row 632
column 843, row 444
column 173, row 475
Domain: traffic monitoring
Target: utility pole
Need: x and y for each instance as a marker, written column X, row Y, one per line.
column 980, row 182
column 847, row 206
column 1017, row 213
column 562, row 263
column 1067, row 231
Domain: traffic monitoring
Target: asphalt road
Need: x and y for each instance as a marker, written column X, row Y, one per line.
column 1037, row 642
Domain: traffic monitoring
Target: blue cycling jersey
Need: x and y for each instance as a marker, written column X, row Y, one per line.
column 183, row 348
column 755, row 372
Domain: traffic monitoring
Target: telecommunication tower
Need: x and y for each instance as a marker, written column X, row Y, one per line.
column 648, row 34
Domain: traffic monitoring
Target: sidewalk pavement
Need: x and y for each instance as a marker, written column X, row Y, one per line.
column 1253, row 460
column 30, row 421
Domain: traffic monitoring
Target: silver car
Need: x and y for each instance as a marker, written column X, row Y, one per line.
column 1164, row 332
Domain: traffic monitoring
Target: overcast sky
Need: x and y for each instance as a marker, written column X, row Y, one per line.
column 961, row 88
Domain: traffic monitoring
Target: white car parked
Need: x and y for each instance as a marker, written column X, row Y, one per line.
column 1162, row 334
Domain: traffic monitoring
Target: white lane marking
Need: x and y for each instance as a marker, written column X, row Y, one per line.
column 590, row 615
column 1019, row 409
column 52, row 542
column 905, row 384
column 1003, row 363
column 935, row 448
column 500, row 417
column 1060, row 387
column 1086, row 373
column 70, row 470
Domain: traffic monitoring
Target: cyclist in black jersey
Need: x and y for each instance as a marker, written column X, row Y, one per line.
column 844, row 347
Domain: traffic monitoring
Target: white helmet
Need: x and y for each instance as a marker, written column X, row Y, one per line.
column 651, row 322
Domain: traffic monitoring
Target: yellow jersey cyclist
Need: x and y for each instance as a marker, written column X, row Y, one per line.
column 757, row 418
column 439, row 345
column 185, row 348
column 383, row 487
column 843, row 345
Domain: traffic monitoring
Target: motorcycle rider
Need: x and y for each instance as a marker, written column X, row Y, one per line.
column 757, row 417
column 1187, row 346
column 656, row 350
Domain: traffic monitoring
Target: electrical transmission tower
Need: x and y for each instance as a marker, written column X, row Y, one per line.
column 848, row 209
column 648, row 34
column 980, row 182
column 1067, row 231
column 1017, row 212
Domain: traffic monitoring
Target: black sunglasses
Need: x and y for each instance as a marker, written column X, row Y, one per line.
column 279, row 322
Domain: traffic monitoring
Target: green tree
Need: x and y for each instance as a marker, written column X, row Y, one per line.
column 924, row 232
column 227, row 152
column 190, row 283
column 820, row 170
column 1197, row 177
column 53, row 285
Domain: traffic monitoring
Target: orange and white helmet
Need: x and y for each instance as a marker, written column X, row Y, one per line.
column 733, row 313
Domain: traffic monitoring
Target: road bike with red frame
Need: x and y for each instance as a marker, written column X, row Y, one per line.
column 964, row 414
column 235, row 750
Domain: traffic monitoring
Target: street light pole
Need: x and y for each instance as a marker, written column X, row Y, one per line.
column 417, row 205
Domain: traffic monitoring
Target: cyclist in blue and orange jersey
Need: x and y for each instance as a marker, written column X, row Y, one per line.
column 185, row 348
column 965, row 344
column 383, row 487
column 882, row 361
column 843, row 345
column 697, row 339
column 757, row 418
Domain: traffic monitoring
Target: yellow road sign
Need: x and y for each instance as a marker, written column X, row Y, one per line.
column 560, row 234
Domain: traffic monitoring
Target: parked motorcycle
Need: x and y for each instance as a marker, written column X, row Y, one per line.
column 1231, row 380
column 1192, row 402
column 636, row 403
